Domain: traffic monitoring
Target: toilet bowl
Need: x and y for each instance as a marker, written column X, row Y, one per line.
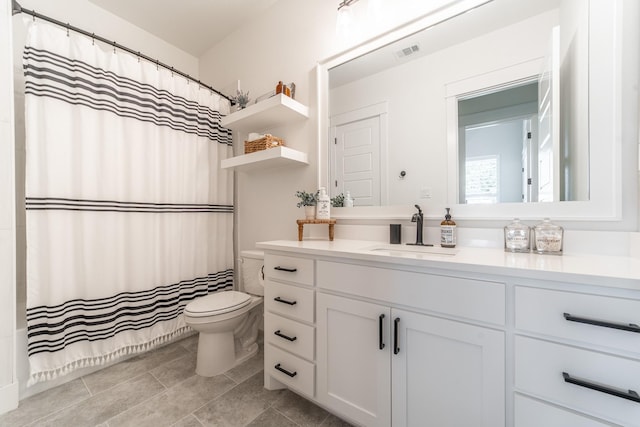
column 228, row 321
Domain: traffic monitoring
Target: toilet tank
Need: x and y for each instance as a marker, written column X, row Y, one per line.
column 252, row 277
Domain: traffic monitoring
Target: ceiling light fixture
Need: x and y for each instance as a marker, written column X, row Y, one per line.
column 345, row 3
column 344, row 21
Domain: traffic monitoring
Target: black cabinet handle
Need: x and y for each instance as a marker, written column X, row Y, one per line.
column 624, row 327
column 284, row 371
column 629, row 394
column 288, row 270
column 281, row 335
column 284, row 301
column 380, row 337
column 396, row 348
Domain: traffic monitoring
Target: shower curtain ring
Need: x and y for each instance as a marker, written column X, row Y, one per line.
column 114, row 47
column 67, row 29
column 138, row 56
column 93, row 39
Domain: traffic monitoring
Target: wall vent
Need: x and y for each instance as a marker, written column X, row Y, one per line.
column 407, row 51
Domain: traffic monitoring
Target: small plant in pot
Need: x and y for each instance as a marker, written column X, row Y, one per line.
column 309, row 201
column 241, row 98
column 338, row 201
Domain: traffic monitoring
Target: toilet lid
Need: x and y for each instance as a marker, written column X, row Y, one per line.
column 217, row 303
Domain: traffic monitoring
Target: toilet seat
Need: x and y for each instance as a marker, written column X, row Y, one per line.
column 217, row 303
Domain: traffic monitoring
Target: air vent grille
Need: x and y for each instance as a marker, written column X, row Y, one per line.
column 410, row 50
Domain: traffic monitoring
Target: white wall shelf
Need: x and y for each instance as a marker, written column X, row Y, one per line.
column 273, row 112
column 266, row 159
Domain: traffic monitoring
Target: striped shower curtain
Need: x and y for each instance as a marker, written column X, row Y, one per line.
column 128, row 215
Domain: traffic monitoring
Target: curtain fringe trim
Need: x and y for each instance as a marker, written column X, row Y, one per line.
column 103, row 359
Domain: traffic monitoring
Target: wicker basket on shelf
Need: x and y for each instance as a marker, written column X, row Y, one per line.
column 267, row 141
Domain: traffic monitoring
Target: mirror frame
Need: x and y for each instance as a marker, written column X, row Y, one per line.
column 605, row 140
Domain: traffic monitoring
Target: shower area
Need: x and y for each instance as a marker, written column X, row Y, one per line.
column 122, row 213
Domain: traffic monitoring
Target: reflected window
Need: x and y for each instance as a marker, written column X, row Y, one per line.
column 496, row 145
column 481, row 180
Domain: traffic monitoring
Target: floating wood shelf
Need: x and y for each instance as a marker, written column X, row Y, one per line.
column 273, row 112
column 266, row 159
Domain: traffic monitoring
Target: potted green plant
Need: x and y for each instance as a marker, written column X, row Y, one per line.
column 338, row 201
column 242, row 99
column 309, row 201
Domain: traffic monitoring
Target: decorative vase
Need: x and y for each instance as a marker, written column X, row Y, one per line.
column 310, row 212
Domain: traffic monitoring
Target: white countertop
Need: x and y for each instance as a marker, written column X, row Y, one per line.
column 599, row 270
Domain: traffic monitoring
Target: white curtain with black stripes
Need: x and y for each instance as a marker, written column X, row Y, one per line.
column 128, row 215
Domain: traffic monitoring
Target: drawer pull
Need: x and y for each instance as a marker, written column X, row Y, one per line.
column 288, row 270
column 396, row 348
column 284, row 371
column 284, row 301
column 629, row 395
column 281, row 335
column 624, row 327
column 380, row 338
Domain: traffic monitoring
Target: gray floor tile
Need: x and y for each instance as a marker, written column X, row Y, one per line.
column 174, row 404
column 45, row 403
column 333, row 421
column 102, row 406
column 189, row 421
column 160, row 388
column 271, row 418
column 247, row 369
column 190, row 343
column 127, row 369
column 300, row 410
column 240, row 405
column 175, row 371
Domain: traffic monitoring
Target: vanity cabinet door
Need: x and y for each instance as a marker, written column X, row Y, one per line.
column 353, row 359
column 446, row 373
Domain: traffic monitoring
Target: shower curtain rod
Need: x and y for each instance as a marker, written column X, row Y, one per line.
column 19, row 9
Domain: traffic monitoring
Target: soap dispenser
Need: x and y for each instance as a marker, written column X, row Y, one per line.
column 324, row 204
column 448, row 231
column 348, row 200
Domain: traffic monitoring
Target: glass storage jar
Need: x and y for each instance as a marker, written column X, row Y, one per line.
column 516, row 237
column 548, row 238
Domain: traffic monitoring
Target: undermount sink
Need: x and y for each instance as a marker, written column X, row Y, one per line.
column 412, row 250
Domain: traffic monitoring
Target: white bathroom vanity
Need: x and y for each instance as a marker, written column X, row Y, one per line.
column 396, row 335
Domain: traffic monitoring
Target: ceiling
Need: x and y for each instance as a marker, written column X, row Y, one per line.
column 191, row 25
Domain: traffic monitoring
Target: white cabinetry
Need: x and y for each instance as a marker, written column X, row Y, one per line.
column 382, row 365
column 579, row 351
column 483, row 338
column 289, row 324
column 354, row 372
column 269, row 114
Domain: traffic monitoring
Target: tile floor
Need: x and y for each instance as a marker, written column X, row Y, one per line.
column 160, row 388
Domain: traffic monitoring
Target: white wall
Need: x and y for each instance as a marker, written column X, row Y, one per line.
column 286, row 43
column 274, row 48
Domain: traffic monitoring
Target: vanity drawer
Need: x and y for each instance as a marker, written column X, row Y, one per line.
column 539, row 370
column 467, row 298
column 289, row 300
column 289, row 335
column 533, row 413
column 290, row 370
column 543, row 311
column 291, row 269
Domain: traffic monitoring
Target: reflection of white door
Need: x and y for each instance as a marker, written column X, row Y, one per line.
column 355, row 158
column 530, row 161
column 549, row 123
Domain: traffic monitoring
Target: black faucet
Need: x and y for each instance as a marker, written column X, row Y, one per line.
column 418, row 218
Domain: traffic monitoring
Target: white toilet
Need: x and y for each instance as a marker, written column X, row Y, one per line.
column 228, row 321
